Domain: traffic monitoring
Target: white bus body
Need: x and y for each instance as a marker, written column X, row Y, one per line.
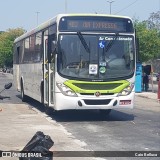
column 46, row 69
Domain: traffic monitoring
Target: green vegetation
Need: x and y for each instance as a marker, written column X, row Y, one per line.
column 148, row 33
column 6, row 45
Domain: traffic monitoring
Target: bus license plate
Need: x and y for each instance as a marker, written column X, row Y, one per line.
column 124, row 102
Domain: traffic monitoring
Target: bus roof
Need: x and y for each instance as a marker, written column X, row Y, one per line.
column 54, row 20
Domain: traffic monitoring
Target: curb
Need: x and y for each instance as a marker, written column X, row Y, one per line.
column 147, row 96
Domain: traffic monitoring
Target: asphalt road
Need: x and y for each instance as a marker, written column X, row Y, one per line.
column 12, row 93
column 122, row 130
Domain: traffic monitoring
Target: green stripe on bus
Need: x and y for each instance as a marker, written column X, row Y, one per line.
column 92, row 87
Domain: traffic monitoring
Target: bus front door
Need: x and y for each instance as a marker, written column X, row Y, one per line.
column 47, row 76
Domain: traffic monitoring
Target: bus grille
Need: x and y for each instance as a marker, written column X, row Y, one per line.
column 102, row 94
column 97, row 86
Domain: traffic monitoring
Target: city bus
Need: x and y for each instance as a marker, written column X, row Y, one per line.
column 78, row 62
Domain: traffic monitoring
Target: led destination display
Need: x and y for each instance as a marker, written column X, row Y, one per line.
column 95, row 24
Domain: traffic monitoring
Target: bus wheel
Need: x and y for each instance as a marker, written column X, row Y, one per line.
column 23, row 96
column 42, row 93
column 48, row 110
column 105, row 112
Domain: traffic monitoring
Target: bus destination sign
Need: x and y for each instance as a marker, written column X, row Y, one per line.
column 95, row 24
column 91, row 25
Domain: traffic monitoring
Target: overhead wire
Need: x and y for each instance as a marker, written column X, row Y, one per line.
column 126, row 7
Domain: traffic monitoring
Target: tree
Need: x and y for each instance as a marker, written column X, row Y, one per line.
column 149, row 41
column 6, row 45
column 154, row 21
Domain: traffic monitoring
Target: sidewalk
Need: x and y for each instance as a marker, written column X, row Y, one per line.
column 152, row 92
column 19, row 122
column 149, row 95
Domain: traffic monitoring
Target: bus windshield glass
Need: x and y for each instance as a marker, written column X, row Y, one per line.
column 96, row 57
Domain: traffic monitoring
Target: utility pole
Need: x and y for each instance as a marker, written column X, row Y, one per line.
column 65, row 6
column 110, row 3
column 37, row 17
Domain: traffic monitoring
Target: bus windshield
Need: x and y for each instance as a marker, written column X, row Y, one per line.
column 96, row 57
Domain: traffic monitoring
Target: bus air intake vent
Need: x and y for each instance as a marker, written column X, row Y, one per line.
column 97, row 102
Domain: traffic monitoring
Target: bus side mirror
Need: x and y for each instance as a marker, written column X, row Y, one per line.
column 8, row 86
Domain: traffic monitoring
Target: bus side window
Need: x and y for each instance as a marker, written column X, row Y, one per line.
column 52, row 47
column 18, row 52
column 17, row 56
column 38, row 45
column 27, row 56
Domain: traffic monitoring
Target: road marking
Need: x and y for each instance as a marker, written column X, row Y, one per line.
column 133, row 122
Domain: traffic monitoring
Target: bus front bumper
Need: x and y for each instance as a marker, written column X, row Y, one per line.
column 103, row 102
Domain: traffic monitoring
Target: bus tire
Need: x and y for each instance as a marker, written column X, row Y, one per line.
column 48, row 110
column 23, row 96
column 105, row 112
column 42, row 93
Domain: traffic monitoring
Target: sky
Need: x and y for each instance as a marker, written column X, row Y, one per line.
column 28, row 13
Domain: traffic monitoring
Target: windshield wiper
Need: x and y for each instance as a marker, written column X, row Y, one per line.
column 111, row 42
column 84, row 43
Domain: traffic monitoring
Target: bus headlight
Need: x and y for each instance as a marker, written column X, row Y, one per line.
column 127, row 90
column 66, row 90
